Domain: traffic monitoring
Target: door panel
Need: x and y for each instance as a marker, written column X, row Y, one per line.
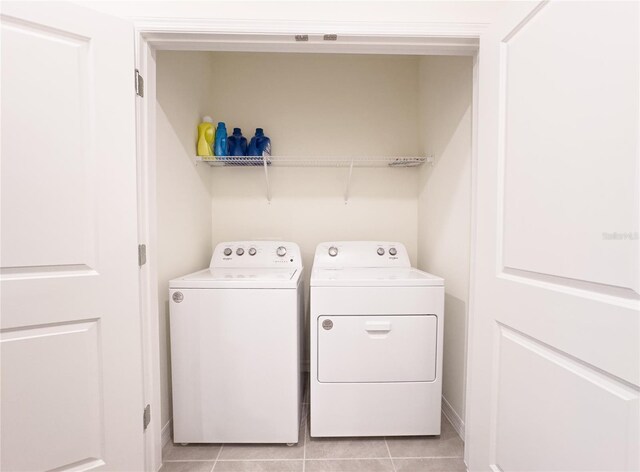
column 554, row 355
column 570, row 137
column 64, row 360
column 70, row 327
column 46, row 101
column 559, row 387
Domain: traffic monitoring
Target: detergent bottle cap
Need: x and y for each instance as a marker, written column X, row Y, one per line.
column 259, row 132
column 207, row 119
column 237, row 131
column 221, row 124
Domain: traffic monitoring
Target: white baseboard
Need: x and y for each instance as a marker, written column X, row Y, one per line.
column 453, row 418
column 167, row 431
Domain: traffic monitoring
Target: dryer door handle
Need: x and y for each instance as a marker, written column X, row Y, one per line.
column 378, row 326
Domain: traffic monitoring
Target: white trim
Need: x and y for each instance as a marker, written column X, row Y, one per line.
column 278, row 36
column 471, row 304
column 167, row 432
column 149, row 26
column 146, row 167
column 453, row 417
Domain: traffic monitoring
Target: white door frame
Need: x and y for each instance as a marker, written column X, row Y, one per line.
column 265, row 36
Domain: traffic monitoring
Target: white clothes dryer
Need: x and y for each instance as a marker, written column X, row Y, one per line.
column 376, row 342
column 236, row 337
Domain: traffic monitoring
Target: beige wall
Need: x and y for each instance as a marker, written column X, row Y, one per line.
column 444, row 204
column 183, row 190
column 319, row 104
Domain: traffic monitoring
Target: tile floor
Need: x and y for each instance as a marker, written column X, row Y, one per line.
column 406, row 454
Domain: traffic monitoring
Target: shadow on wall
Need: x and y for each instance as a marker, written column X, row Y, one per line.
column 455, row 340
column 445, row 98
column 453, row 160
column 181, row 97
column 167, row 328
column 180, row 143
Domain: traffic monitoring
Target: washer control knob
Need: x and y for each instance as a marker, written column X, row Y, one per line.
column 252, row 251
column 393, row 251
column 333, row 251
column 239, row 251
column 227, row 251
column 381, row 251
column 281, row 251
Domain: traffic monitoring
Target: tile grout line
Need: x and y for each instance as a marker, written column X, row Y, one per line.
column 393, row 465
column 217, row 456
column 318, row 459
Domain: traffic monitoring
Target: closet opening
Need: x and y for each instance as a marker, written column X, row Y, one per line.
column 365, row 146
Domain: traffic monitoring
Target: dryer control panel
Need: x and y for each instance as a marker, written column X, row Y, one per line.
column 363, row 254
column 259, row 254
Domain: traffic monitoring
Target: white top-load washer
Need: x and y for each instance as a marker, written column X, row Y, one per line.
column 376, row 342
column 236, row 346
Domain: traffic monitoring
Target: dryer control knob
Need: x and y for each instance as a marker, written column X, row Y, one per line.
column 393, row 251
column 381, row 251
column 227, row 251
column 252, row 251
column 239, row 251
column 281, row 251
column 333, row 251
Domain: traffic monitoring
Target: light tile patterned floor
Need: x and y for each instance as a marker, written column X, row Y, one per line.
column 407, row 454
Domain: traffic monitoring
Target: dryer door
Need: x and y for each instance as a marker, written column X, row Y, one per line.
column 375, row 348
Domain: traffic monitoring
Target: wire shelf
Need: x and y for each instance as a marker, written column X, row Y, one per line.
column 348, row 163
column 316, row 161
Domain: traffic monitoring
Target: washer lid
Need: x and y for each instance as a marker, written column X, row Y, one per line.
column 239, row 278
column 374, row 277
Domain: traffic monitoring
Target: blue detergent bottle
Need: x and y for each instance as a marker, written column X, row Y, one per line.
column 237, row 144
column 260, row 145
column 220, row 146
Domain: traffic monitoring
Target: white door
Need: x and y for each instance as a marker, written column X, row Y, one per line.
column 554, row 359
column 70, row 333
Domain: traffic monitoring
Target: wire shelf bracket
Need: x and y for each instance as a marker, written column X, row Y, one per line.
column 346, row 192
column 266, row 177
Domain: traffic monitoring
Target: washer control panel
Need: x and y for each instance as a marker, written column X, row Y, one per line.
column 256, row 254
column 342, row 254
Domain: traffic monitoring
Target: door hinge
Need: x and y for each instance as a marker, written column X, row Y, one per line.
column 146, row 416
column 139, row 84
column 142, row 254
